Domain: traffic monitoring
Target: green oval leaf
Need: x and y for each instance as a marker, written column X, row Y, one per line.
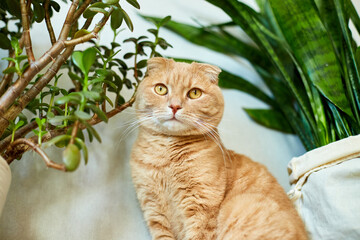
column 71, row 157
column 110, row 2
column 98, row 112
column 67, row 98
column 55, row 6
column 10, row 70
column 88, row 59
column 56, row 140
column 80, row 142
column 77, row 58
column 134, row 3
column 82, row 115
column 39, row 13
column 4, row 41
column 116, row 19
column 127, row 20
column 99, row 10
column 88, row 13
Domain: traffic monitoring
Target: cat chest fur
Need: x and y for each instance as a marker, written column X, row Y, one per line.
column 180, row 178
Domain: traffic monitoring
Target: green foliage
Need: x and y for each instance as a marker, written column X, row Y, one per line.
column 71, row 157
column 304, row 52
column 97, row 74
column 19, row 68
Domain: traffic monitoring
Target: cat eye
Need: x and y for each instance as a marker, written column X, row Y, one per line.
column 194, row 93
column 161, row 89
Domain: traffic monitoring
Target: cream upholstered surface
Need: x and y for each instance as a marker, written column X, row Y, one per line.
column 98, row 200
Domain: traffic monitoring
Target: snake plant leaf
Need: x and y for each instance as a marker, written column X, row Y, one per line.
column 341, row 126
column 240, row 13
column 312, row 47
column 228, row 80
column 353, row 72
column 328, row 15
column 219, row 42
column 353, row 14
column 270, row 119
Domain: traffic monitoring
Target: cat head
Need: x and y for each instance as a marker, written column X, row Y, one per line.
column 179, row 98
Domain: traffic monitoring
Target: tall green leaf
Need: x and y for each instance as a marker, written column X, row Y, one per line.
column 312, row 47
column 354, row 77
column 217, row 41
column 228, row 80
column 270, row 119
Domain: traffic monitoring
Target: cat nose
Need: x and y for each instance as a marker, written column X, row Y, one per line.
column 174, row 108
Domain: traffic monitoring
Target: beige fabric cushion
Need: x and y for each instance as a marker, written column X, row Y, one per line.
column 325, row 190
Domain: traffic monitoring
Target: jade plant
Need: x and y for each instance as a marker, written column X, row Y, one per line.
column 63, row 116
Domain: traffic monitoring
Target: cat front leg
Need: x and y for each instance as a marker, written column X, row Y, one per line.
column 158, row 225
column 154, row 214
column 201, row 221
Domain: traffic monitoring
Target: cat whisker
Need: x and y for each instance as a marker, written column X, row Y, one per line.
column 134, row 125
column 210, row 131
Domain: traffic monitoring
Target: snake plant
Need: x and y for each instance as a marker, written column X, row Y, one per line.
column 306, row 55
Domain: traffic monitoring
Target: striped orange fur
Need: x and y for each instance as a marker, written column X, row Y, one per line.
column 189, row 186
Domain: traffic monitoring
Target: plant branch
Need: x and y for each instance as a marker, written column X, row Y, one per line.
column 74, row 131
column 92, row 34
column 81, row 9
column 20, row 84
column 10, row 156
column 87, row 23
column 26, row 28
column 34, row 90
column 48, row 22
column 18, row 145
column 69, row 20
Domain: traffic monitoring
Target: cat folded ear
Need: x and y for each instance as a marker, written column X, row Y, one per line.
column 210, row 71
column 157, row 64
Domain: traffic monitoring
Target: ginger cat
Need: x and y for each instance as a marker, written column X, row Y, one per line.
column 189, row 186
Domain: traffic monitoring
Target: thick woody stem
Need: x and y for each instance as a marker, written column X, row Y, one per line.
column 20, row 84
column 18, row 87
column 23, row 141
column 81, row 9
column 91, row 35
column 69, row 20
column 74, row 131
column 26, row 29
column 87, row 23
column 48, row 22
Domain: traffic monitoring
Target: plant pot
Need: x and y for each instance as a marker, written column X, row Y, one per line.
column 5, row 179
column 326, row 189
